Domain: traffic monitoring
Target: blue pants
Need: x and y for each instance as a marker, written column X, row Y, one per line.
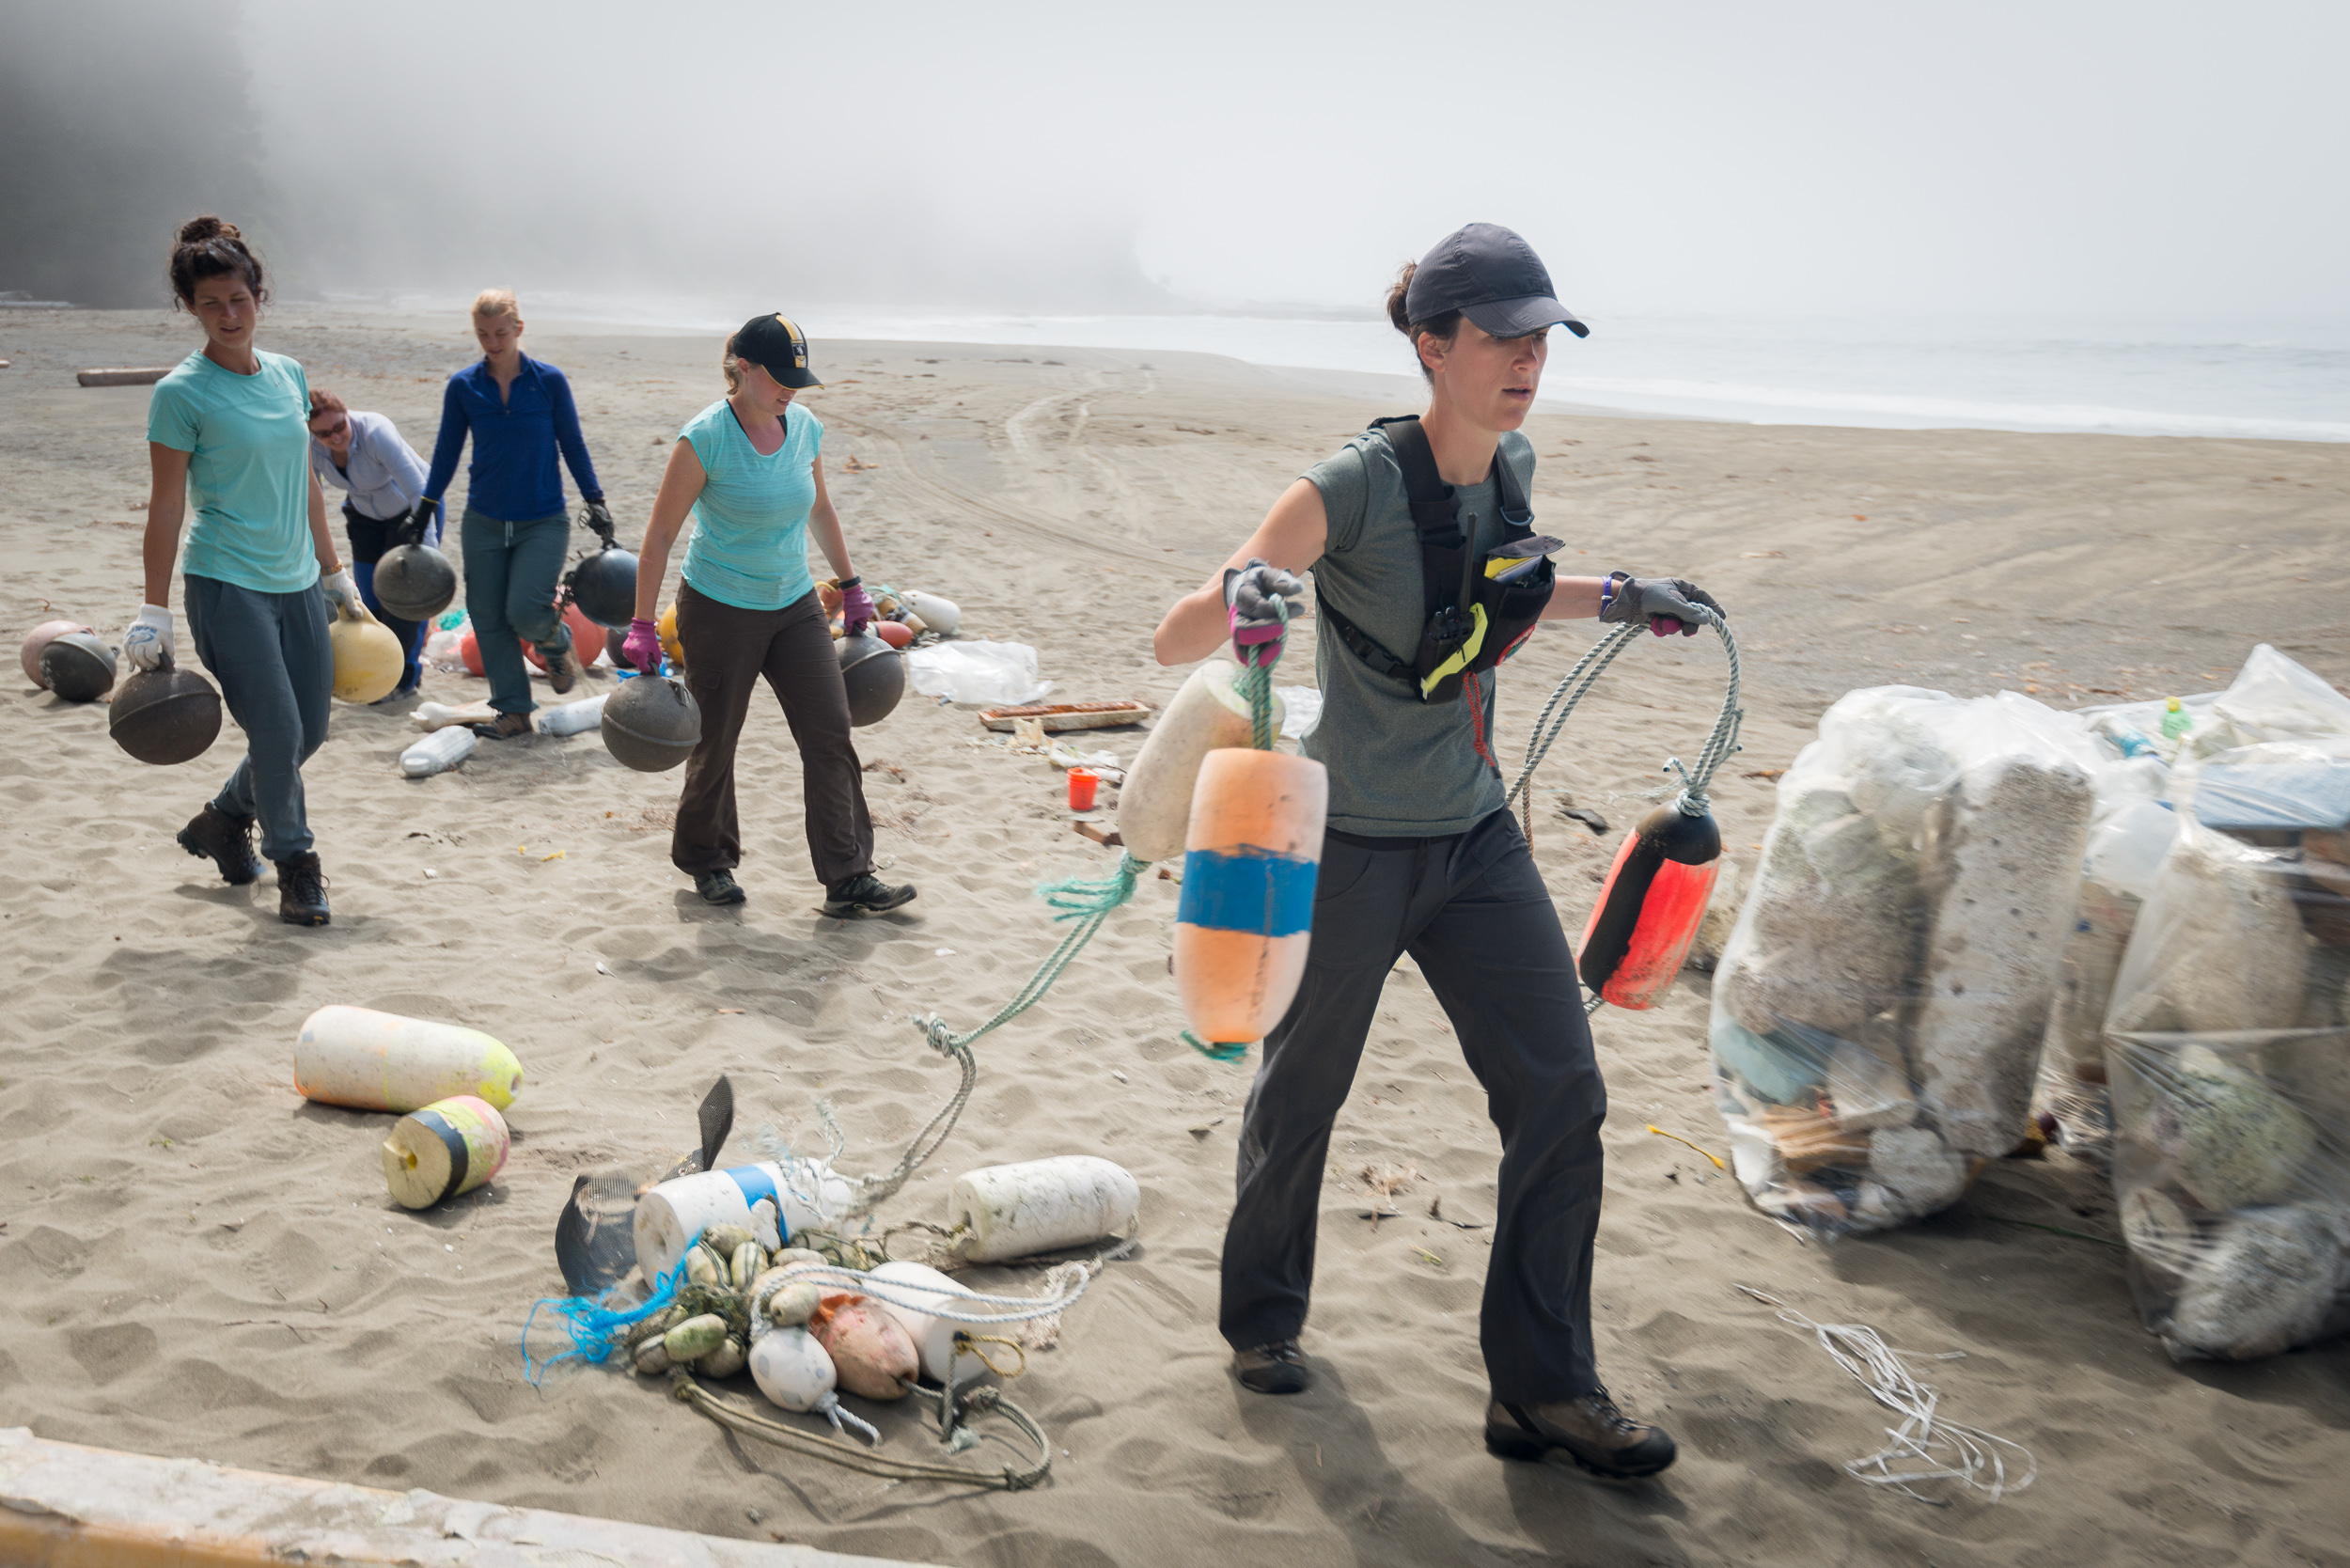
column 276, row 672
column 512, row 571
column 1472, row 911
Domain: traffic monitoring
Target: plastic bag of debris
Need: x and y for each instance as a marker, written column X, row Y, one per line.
column 1879, row 1007
column 2228, row 1049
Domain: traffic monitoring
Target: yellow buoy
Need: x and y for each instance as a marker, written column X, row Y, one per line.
column 669, row 645
column 367, row 658
column 1245, row 916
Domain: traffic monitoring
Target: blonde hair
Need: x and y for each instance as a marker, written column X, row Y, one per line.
column 732, row 369
column 497, row 303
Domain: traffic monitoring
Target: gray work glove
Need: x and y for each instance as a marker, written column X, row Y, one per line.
column 1669, row 604
column 1256, row 622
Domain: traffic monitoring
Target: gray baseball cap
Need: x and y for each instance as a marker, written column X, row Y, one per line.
column 1490, row 274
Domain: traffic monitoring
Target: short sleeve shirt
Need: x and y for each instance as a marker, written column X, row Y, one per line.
column 1399, row 767
column 749, row 547
column 249, row 445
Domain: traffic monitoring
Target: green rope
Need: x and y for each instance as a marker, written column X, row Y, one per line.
column 1089, row 903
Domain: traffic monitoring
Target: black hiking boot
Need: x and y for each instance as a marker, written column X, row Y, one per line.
column 865, row 894
column 562, row 666
column 1591, row 1431
column 302, row 890
column 229, row 840
column 506, row 726
column 1279, row 1368
column 718, row 886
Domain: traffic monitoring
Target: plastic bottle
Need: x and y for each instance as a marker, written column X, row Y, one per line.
column 2176, row 720
column 571, row 718
column 438, row 752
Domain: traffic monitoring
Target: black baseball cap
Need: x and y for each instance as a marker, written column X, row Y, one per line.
column 1490, row 274
column 776, row 345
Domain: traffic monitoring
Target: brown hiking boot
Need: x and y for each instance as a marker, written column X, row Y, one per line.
column 227, row 839
column 302, row 890
column 506, row 726
column 562, row 664
column 1279, row 1368
column 1591, row 1431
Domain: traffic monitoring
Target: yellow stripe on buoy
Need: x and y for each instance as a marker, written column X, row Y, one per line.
column 451, row 1147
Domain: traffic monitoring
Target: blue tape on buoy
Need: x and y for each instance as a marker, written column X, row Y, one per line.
column 1247, row 889
column 756, row 1183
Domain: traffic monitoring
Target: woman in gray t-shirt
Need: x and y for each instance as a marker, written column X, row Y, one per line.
column 1421, row 859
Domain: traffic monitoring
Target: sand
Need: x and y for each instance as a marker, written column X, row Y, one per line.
column 195, row 1261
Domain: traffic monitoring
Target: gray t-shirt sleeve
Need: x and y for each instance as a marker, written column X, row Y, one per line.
column 1345, row 497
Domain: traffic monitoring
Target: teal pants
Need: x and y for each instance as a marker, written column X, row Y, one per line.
column 513, row 570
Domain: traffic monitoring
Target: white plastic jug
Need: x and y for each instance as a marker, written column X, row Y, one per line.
column 438, row 752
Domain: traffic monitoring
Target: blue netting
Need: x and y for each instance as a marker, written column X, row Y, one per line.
column 593, row 1328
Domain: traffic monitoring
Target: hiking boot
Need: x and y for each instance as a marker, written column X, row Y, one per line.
column 1591, row 1431
column 227, row 839
column 1279, row 1368
column 504, row 728
column 562, row 666
column 865, row 894
column 718, row 887
column 302, row 892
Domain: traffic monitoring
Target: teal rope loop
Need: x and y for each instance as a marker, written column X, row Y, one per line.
column 1089, row 903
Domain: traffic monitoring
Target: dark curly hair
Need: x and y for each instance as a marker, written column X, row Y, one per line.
column 212, row 247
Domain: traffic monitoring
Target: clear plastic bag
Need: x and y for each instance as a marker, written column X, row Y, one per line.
column 2228, row 1048
column 976, row 671
column 1879, row 1007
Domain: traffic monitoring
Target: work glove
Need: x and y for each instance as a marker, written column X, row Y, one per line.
column 598, row 517
column 147, row 643
column 1253, row 596
column 343, row 594
column 643, row 645
column 856, row 606
column 418, row 520
column 1669, row 604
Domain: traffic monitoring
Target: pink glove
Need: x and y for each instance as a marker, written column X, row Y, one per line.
column 643, row 647
column 856, row 606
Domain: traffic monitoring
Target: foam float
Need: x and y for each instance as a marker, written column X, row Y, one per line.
column 1640, row 932
column 430, row 716
column 1208, row 713
column 1245, row 916
column 448, row 1147
column 938, row 615
column 673, row 1215
column 370, row 1060
column 1017, row 1210
column 934, row 1337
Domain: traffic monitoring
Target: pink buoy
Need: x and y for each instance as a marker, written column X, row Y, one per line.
column 38, row 638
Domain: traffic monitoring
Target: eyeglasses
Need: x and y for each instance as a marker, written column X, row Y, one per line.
column 332, row 431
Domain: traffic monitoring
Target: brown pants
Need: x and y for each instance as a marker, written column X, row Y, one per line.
column 726, row 651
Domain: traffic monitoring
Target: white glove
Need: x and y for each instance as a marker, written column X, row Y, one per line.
column 148, row 644
column 343, row 594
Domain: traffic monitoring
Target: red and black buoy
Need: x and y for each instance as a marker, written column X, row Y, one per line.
column 1649, row 913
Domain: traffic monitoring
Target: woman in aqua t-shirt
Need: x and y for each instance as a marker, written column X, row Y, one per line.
column 750, row 470
column 229, row 427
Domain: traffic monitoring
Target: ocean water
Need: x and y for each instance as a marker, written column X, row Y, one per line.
column 2282, row 380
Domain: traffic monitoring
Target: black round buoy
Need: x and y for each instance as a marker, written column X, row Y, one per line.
column 875, row 674
column 415, row 582
column 165, row 716
column 615, row 641
column 651, row 723
column 77, row 666
column 603, row 586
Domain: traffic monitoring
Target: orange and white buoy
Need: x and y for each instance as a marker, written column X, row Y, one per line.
column 1246, row 913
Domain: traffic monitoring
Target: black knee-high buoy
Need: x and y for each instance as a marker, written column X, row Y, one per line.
column 651, row 723
column 166, row 717
column 77, row 666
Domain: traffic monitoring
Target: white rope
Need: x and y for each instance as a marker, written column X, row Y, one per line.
column 1940, row 1449
column 1720, row 745
column 966, row 1307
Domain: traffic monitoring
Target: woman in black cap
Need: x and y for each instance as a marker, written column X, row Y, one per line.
column 750, row 470
column 1422, row 857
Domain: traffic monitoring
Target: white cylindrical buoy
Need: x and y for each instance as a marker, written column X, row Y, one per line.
column 571, row 718
column 791, row 1369
column 1208, row 713
column 934, row 1337
column 1015, row 1211
column 1245, row 916
column 938, row 615
column 451, row 1146
column 438, row 752
column 671, row 1217
column 430, row 716
column 370, row 1060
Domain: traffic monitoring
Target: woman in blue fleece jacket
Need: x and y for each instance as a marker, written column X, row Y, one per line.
column 514, row 533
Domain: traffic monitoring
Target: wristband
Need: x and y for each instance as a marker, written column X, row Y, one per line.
column 845, row 584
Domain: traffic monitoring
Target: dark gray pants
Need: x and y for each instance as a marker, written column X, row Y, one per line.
column 727, row 649
column 1474, row 915
column 276, row 672
column 512, row 574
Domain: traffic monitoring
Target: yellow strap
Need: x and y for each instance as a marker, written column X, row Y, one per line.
column 1459, row 660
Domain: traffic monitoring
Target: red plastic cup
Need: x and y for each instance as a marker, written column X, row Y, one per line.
column 1082, row 784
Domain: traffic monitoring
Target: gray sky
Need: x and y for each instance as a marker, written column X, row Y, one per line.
column 2151, row 158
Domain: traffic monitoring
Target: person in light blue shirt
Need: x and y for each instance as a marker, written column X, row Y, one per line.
column 364, row 454
column 519, row 414
column 227, row 430
column 749, row 471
